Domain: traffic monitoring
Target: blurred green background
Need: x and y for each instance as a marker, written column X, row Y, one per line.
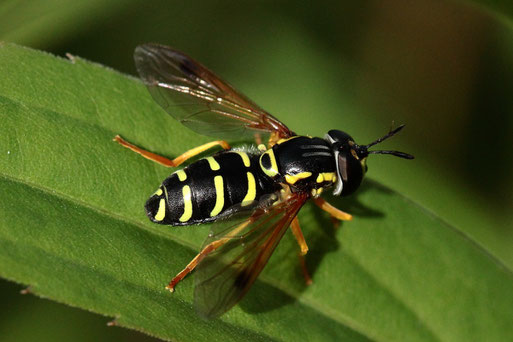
column 445, row 68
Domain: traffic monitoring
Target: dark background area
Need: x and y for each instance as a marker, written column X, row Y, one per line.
column 442, row 67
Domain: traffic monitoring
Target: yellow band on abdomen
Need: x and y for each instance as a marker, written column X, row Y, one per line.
column 251, row 194
column 182, row 176
column 214, row 165
column 161, row 213
column 245, row 158
column 187, row 204
column 218, row 183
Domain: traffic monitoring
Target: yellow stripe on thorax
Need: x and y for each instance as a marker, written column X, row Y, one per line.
column 292, row 179
column 187, row 204
column 218, row 182
column 251, row 194
column 214, row 165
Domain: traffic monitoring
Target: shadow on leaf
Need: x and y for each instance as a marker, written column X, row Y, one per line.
column 320, row 235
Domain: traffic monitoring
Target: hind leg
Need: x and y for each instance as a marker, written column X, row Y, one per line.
column 168, row 162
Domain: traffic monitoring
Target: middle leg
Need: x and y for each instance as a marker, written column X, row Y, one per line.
column 298, row 234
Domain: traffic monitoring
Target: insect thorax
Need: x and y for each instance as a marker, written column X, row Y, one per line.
column 304, row 163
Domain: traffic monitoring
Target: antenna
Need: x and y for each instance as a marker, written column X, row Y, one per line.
column 363, row 150
column 386, row 136
column 394, row 153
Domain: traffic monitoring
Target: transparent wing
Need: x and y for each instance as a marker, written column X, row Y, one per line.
column 198, row 98
column 242, row 250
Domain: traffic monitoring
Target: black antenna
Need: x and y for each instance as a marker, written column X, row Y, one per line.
column 386, row 136
column 394, row 153
column 363, row 150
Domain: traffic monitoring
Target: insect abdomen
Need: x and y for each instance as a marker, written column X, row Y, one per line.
column 206, row 189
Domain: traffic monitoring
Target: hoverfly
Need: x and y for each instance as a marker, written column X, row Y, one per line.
column 259, row 190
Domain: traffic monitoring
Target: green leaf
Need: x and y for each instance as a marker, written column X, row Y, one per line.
column 45, row 22
column 73, row 228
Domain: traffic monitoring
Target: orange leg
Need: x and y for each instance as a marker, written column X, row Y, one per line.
column 306, row 274
column 298, row 234
column 194, row 262
column 334, row 212
column 258, row 139
column 168, row 162
column 273, row 138
column 204, row 252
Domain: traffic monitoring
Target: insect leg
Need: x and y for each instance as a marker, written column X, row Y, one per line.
column 258, row 139
column 168, row 162
column 334, row 212
column 194, row 262
column 275, row 136
column 306, row 274
column 204, row 252
column 298, row 234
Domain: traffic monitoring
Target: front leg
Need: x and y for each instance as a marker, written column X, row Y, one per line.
column 334, row 212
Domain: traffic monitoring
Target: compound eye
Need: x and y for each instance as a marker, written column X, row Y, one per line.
column 351, row 171
column 342, row 166
column 338, row 136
